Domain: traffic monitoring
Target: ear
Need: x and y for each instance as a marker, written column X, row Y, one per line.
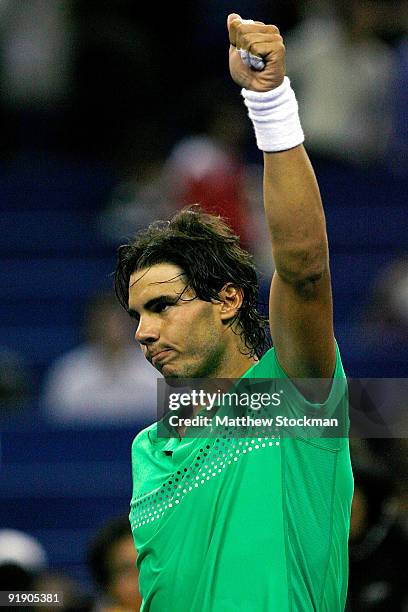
column 230, row 298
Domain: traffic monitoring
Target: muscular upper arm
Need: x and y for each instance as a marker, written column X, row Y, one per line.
column 301, row 321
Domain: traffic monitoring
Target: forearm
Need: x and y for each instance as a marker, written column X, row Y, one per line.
column 295, row 216
column 291, row 195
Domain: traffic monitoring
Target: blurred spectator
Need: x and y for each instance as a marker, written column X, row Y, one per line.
column 15, row 385
column 208, row 167
column 36, row 67
column 397, row 151
column 378, row 546
column 69, row 591
column 24, row 567
column 36, row 52
column 105, row 380
column 342, row 72
column 22, row 559
column 112, row 561
column 380, row 335
column 394, row 454
column 137, row 201
column 386, row 317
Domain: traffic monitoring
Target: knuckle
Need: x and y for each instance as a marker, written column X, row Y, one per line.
column 277, row 38
column 254, row 48
column 235, row 26
column 272, row 29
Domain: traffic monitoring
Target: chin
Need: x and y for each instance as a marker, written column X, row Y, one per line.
column 169, row 371
column 172, row 371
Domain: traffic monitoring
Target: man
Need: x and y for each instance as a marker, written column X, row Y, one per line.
column 111, row 558
column 233, row 524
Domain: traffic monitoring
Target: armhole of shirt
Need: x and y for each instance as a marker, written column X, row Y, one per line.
column 337, row 383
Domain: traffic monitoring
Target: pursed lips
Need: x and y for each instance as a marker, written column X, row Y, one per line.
column 159, row 355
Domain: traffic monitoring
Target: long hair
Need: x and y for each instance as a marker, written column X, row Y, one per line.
column 210, row 255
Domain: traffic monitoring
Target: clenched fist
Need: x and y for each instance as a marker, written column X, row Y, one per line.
column 263, row 41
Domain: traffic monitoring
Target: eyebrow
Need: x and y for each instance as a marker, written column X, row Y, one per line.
column 151, row 303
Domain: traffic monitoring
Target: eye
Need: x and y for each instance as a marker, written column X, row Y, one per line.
column 161, row 306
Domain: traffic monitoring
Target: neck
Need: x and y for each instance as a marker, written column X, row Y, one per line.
column 234, row 362
column 235, row 368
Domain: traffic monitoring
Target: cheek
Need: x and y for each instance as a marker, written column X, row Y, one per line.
column 200, row 331
column 193, row 328
column 204, row 343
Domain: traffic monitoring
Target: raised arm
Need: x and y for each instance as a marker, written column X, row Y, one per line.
column 301, row 316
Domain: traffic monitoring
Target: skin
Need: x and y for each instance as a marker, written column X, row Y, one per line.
column 358, row 520
column 123, row 586
column 191, row 338
column 187, row 337
column 300, row 307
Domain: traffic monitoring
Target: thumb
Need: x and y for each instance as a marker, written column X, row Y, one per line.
column 231, row 18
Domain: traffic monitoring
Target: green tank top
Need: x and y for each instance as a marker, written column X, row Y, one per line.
column 244, row 524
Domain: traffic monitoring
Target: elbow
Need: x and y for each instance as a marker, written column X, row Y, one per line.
column 303, row 267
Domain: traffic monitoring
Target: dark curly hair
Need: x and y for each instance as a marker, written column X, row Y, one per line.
column 209, row 253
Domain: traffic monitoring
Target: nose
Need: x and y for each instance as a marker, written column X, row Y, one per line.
column 147, row 331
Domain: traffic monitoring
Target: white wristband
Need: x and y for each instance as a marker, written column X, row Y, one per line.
column 275, row 117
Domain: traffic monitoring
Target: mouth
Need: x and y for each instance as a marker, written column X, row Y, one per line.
column 160, row 356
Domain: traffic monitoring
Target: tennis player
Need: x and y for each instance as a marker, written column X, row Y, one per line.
column 232, row 524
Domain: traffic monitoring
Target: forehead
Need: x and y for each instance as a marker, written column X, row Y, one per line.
column 155, row 280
